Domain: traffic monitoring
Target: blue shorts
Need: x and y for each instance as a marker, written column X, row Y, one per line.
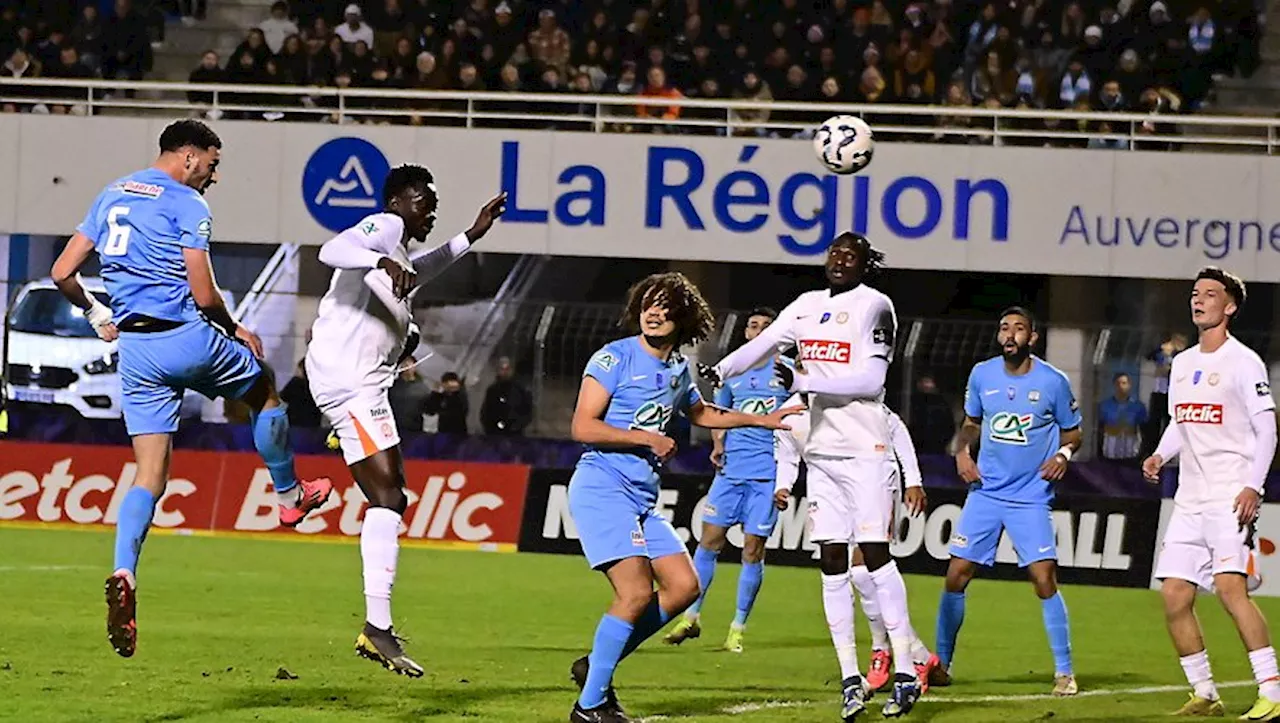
column 977, row 532
column 748, row 502
column 156, row 368
column 615, row 522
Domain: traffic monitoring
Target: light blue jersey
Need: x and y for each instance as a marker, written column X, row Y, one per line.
column 748, row 451
column 139, row 226
column 645, row 393
column 1022, row 420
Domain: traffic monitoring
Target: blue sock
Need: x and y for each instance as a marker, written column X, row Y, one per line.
column 749, row 581
column 606, row 651
column 131, row 527
column 271, row 438
column 704, row 563
column 650, row 622
column 1059, row 631
column 950, row 618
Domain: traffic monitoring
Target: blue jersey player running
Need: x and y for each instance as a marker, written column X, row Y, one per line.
column 630, row 390
column 742, row 492
column 151, row 232
column 1028, row 420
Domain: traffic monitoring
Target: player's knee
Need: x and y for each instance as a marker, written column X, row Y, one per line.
column 834, row 559
column 1178, row 596
column 1044, row 579
column 753, row 549
column 1232, row 593
column 713, row 539
column 685, row 591
column 876, row 554
column 959, row 573
column 633, row 601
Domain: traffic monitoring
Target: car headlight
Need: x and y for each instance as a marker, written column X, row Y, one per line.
column 107, row 364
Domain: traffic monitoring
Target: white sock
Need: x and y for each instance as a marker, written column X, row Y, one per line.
column 891, row 593
column 920, row 653
column 379, row 549
column 837, row 603
column 292, row 498
column 867, row 597
column 1196, row 666
column 1263, row 661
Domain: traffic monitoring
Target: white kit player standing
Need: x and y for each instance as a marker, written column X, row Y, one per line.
column 363, row 330
column 845, row 336
column 1223, row 432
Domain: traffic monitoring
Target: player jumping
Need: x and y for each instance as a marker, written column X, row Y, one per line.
column 845, row 335
column 363, row 329
column 151, row 231
column 1029, row 422
column 742, row 492
column 1224, row 429
column 790, row 452
column 630, row 390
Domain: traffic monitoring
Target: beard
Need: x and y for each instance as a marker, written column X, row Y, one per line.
column 1018, row 355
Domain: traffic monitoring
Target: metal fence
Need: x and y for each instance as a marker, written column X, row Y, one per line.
column 618, row 113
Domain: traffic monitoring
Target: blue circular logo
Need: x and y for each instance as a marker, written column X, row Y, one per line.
column 342, row 182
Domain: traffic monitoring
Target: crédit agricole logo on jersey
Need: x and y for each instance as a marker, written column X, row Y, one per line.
column 760, row 405
column 1010, row 428
column 651, row 417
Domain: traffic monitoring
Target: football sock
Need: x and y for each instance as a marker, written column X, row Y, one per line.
column 1263, row 661
column 950, row 618
column 891, row 594
column 379, row 550
column 919, row 651
column 704, row 563
column 131, row 528
column 837, row 603
column 611, row 637
column 1196, row 666
column 749, row 581
column 1059, row 631
column 271, row 438
column 866, row 588
column 649, row 622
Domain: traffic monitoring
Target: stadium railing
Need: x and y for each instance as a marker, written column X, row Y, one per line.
column 614, row 113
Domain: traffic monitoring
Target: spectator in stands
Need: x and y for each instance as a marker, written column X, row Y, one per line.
column 1048, row 59
column 549, row 43
column 956, row 98
column 469, row 79
column 871, row 84
column 320, row 66
column 209, row 71
column 992, row 80
column 1074, row 85
column 656, row 87
column 1096, row 57
column 933, row 424
column 403, row 61
column 1158, row 404
column 243, row 70
column 448, row 402
column 1130, row 75
column 255, row 45
column 292, row 60
column 1121, row 418
column 19, row 65
column 88, row 38
column 278, row 27
column 408, row 397
column 68, row 66
column 354, row 29
column 126, row 52
column 754, row 89
column 303, row 412
column 505, row 35
column 508, row 406
column 388, row 26
column 48, row 49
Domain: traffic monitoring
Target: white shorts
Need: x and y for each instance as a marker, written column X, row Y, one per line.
column 363, row 423
column 851, row 500
column 1200, row 544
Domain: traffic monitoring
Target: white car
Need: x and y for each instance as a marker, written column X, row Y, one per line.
column 53, row 356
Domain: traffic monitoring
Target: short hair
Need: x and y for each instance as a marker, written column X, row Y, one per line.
column 409, row 175
column 280, row 5
column 450, row 377
column 872, row 257
column 1119, row 375
column 188, row 133
column 684, row 303
column 765, row 311
column 1234, row 284
column 1023, row 312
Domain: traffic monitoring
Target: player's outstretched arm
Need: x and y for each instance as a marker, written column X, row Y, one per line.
column 710, row 416
column 589, row 427
column 430, row 263
column 780, row 333
column 865, row 382
column 204, row 289
column 66, row 275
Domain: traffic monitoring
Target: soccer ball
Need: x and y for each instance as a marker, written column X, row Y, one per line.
column 844, row 144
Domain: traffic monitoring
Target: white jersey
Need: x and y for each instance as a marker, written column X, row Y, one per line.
column 788, row 447
column 834, row 333
column 1212, row 400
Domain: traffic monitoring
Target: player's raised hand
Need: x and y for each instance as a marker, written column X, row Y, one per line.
column 916, row 500
column 251, row 340
column 402, row 279
column 786, row 375
column 1151, row 468
column 966, row 467
column 782, row 499
column 1054, row 469
column 1246, row 507
column 490, row 212
column 708, row 372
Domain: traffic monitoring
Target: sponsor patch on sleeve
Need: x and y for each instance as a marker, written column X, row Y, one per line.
column 880, row 335
column 204, row 229
column 1263, row 389
column 605, row 360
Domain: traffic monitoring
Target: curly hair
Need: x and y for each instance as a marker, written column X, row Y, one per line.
column 682, row 300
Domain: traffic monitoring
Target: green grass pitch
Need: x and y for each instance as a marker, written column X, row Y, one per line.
column 218, row 617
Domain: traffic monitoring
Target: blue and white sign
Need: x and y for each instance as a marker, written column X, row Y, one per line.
column 342, row 182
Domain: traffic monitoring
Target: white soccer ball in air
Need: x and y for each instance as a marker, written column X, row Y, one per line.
column 844, row 144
